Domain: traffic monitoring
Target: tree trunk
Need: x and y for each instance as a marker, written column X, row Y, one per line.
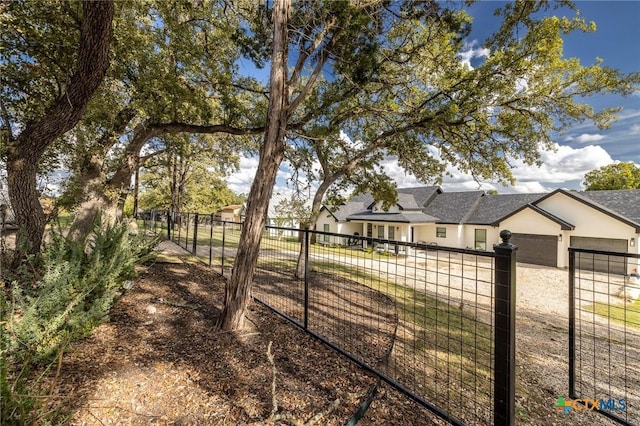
column 238, row 288
column 102, row 196
column 92, row 202
column 21, row 184
column 24, row 152
column 316, row 204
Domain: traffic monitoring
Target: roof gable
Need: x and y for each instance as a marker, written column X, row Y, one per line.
column 625, row 203
column 422, row 195
column 613, row 203
column 408, row 199
column 564, row 225
column 453, row 207
column 490, row 209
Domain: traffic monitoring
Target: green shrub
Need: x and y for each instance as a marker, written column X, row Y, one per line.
column 62, row 299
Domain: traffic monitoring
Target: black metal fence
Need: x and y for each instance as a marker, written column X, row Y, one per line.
column 604, row 333
column 436, row 323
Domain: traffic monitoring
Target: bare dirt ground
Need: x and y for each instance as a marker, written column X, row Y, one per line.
column 159, row 360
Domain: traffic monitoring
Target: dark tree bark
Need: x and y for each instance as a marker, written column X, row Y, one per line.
column 106, row 196
column 238, row 288
column 103, row 196
column 24, row 152
column 92, row 197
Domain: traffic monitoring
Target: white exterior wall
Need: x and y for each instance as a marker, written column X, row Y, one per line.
column 634, row 263
column 528, row 221
column 348, row 228
column 493, row 236
column 326, row 218
column 426, row 233
column 588, row 222
column 454, row 235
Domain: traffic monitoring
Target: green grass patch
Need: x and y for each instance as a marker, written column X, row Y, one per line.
column 277, row 264
column 440, row 330
column 627, row 314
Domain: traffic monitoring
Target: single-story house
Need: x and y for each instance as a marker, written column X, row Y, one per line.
column 282, row 214
column 231, row 213
column 543, row 225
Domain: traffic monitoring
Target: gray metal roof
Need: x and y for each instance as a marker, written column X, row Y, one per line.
column 492, row 208
column 476, row 207
column 453, row 207
column 625, row 203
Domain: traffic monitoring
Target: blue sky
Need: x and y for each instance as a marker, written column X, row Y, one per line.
column 580, row 149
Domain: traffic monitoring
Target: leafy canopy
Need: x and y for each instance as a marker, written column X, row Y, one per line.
column 401, row 89
column 613, row 176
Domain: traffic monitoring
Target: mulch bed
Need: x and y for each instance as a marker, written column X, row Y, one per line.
column 160, row 360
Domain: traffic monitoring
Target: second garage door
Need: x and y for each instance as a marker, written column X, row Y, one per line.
column 601, row 262
column 536, row 249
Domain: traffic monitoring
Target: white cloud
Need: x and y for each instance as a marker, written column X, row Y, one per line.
column 634, row 129
column 240, row 181
column 471, row 52
column 564, row 167
column 586, row 138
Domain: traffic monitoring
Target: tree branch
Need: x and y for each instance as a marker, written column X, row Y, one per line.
column 91, row 67
column 7, row 121
column 179, row 127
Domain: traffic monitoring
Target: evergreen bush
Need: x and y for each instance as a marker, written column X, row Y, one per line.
column 61, row 299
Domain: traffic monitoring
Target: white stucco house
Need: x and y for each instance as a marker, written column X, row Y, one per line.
column 282, row 214
column 544, row 226
column 231, row 213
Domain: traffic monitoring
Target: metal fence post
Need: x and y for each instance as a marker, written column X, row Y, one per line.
column 224, row 234
column 210, row 239
column 186, row 234
column 195, row 234
column 178, row 218
column 306, row 277
column 155, row 221
column 169, row 224
column 572, row 323
column 505, row 332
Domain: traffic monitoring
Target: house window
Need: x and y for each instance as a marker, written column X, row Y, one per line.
column 441, row 232
column 481, row 239
column 325, row 228
column 380, row 231
column 369, row 230
column 392, row 232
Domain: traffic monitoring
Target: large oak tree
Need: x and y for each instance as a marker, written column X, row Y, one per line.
column 54, row 101
column 173, row 74
column 389, row 76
